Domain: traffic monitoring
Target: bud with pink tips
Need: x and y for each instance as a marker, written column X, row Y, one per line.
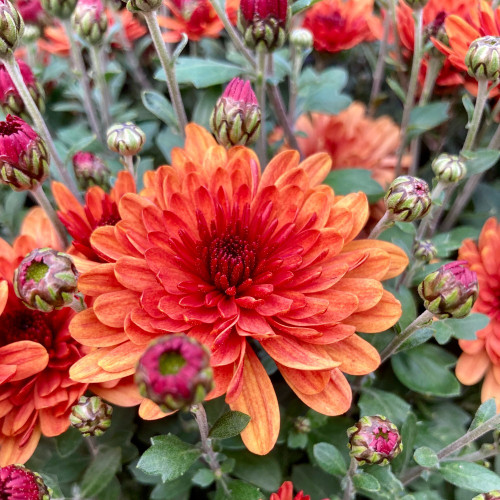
column 19, row 483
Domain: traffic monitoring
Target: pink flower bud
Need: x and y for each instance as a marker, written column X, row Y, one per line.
column 90, row 170
column 89, row 20
column 19, row 483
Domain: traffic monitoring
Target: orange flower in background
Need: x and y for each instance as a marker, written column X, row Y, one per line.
column 481, row 357
column 36, row 351
column 228, row 254
column 340, row 25
column 286, row 493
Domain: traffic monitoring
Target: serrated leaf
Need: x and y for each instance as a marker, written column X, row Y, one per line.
column 228, row 425
column 97, row 477
column 378, row 402
column 158, row 104
column 470, row 476
column 426, row 457
column 483, row 413
column 329, row 458
column 169, row 457
column 366, row 482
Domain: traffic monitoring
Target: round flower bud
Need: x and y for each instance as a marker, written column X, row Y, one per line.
column 449, row 168
column 90, row 170
column 10, row 100
column 59, row 8
column 374, row 440
column 450, row 292
column 424, row 250
column 407, row 199
column 31, row 34
column 89, row 20
column 302, row 38
column 24, row 159
column 91, row 416
column 236, row 115
column 46, row 280
column 491, row 495
column 175, row 372
column 11, row 28
column 143, row 5
column 483, row 58
column 19, row 483
column 302, row 425
column 126, row 139
column 264, row 23
column 416, row 4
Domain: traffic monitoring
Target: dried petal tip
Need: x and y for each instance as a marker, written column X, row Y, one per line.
column 91, row 416
column 24, row 159
column 11, row 28
column 126, row 139
column 19, row 483
column 491, row 495
column 302, row 38
column 143, row 5
column 374, row 440
column 449, row 168
column 46, row 280
column 483, row 58
column 407, row 199
column 450, row 291
column 59, row 8
column 90, row 22
column 175, row 372
column 90, row 170
column 424, row 250
column 236, row 115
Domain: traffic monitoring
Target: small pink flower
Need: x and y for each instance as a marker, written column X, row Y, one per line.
column 19, row 483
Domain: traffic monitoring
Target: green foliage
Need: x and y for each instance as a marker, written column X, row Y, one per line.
column 329, row 458
column 426, row 457
column 470, row 476
column 427, row 117
column 352, row 180
column 228, row 425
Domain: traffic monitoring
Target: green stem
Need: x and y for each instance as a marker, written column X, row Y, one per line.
column 482, row 97
column 128, row 161
column 100, row 79
column 169, row 69
column 15, row 74
column 435, row 212
column 261, row 97
column 384, row 223
column 436, row 218
column 349, row 492
column 293, row 88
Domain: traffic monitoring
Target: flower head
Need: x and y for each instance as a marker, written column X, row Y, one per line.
column 24, row 159
column 59, row 8
column 408, row 199
column 225, row 254
column 286, row 493
column 483, row 58
column 19, row 483
column 491, row 495
column 90, row 170
column 126, row 139
column 11, row 28
column 449, row 168
column 91, row 416
column 89, row 20
column 424, row 250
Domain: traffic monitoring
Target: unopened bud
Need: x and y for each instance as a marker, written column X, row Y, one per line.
column 407, row 199
column 416, row 4
column 91, row 416
column 302, row 425
column 59, row 8
column 491, row 495
column 424, row 250
column 175, row 372
column 302, row 38
column 450, row 292
column 374, row 440
column 90, row 170
column 90, row 22
column 143, row 5
column 11, row 28
column 19, row 483
column 483, row 58
column 126, row 139
column 449, row 168
column 236, row 115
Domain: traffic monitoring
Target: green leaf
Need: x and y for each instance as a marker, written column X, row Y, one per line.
column 158, row 104
column 425, row 370
column 449, row 242
column 169, row 457
column 417, row 338
column 68, row 442
column 262, row 471
column 228, row 425
column 302, row 5
column 466, row 328
column 113, row 491
column 202, row 73
column 424, row 118
column 101, row 471
column 377, row 402
column 352, row 180
column 483, row 413
column 314, row 481
column 470, row 476
column 426, row 457
column 203, row 478
column 329, row 458
column 469, row 106
column 239, row 491
column 366, row 482
column 297, row 440
column 408, row 435
column 480, row 160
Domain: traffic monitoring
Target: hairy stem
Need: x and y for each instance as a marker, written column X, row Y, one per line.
column 434, row 214
column 384, row 223
column 100, row 79
column 261, row 97
column 349, row 486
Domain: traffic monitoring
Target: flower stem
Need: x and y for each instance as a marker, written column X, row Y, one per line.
column 349, row 486
column 434, row 213
column 296, row 58
column 100, row 78
column 456, row 446
column 396, row 342
column 261, row 97
column 169, row 69
column 384, row 223
column 412, row 87
column 128, row 161
column 15, row 74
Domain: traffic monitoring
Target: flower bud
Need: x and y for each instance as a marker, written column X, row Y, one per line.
column 424, row 250
column 89, row 20
column 24, row 159
column 11, row 28
column 126, row 139
column 491, row 495
column 90, row 170
column 407, row 199
column 302, row 425
column 450, row 291
column 91, row 416
column 143, row 5
column 236, row 115
column 59, row 8
column 449, row 168
column 19, row 483
column 416, row 4
column 31, row 34
column 302, row 38
column 264, row 22
column 10, row 100
column 175, row 372
column 46, row 280
column 374, row 440
column 32, row 13
column 483, row 58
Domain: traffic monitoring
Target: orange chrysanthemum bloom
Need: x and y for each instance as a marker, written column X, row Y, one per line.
column 100, row 209
column 36, row 393
column 236, row 258
column 340, row 25
column 286, row 493
column 481, row 357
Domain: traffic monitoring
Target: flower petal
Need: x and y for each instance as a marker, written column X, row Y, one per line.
column 471, row 368
column 101, row 279
column 28, row 357
column 112, row 308
column 86, row 328
column 357, row 356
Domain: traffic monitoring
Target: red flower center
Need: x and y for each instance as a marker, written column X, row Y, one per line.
column 334, row 20
column 25, row 324
column 8, row 128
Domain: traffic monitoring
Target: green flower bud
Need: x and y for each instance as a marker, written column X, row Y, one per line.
column 483, row 58
column 143, row 5
column 416, row 4
column 302, row 38
column 449, row 168
column 450, row 292
column 491, row 495
column 126, row 139
column 407, row 199
column 90, row 22
column 91, row 416
column 302, row 425
column 374, row 440
column 11, row 28
column 424, row 250
column 59, row 8
column 90, row 170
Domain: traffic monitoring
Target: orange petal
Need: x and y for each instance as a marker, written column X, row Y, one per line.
column 99, row 280
column 317, row 167
column 151, row 411
column 357, row 204
column 491, row 389
column 112, row 308
column 471, row 368
column 125, row 393
column 66, row 201
column 86, row 328
column 357, row 356
column 29, row 358
column 105, row 244
column 134, row 274
column 280, row 164
column 87, row 370
column 11, row 451
column 53, row 425
column 121, row 358
column 307, row 382
column 368, row 291
column 4, row 294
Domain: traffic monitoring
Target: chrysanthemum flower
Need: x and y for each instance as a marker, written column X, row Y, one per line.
column 481, row 357
column 286, row 493
column 241, row 261
column 340, row 25
column 36, row 393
